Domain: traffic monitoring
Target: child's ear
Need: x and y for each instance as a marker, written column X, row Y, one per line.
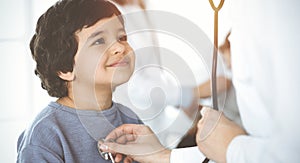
column 68, row 76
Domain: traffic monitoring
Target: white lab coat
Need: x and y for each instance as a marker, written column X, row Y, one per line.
column 265, row 68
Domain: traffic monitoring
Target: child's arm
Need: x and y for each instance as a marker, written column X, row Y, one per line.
column 32, row 153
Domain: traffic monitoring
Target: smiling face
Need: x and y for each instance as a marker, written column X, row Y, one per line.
column 104, row 57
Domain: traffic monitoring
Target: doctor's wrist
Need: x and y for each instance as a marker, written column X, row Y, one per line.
column 163, row 156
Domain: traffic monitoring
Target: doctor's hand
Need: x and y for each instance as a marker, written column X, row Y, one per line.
column 214, row 134
column 136, row 141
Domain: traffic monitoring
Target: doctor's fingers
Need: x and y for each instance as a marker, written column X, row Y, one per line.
column 127, row 129
column 208, row 122
column 119, row 158
column 113, row 147
column 205, row 112
column 116, row 149
column 128, row 159
column 123, row 139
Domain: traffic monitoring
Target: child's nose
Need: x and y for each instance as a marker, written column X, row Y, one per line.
column 117, row 48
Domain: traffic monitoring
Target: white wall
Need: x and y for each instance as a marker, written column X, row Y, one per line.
column 197, row 11
column 21, row 95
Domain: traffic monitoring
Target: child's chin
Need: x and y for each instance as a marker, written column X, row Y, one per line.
column 121, row 77
column 120, row 80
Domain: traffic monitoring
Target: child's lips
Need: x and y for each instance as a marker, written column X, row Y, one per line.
column 121, row 63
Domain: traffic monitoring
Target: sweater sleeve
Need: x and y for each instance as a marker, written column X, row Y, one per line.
column 32, row 153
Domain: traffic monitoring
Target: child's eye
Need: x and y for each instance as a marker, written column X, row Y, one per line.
column 123, row 38
column 99, row 41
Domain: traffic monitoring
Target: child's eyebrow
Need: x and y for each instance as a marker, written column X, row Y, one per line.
column 93, row 35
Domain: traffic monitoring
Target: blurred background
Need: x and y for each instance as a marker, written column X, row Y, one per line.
column 21, row 95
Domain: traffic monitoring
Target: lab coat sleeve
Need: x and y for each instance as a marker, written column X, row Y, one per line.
column 282, row 146
column 184, row 155
column 279, row 93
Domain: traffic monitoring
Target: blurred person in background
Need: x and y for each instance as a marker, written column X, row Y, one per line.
column 173, row 131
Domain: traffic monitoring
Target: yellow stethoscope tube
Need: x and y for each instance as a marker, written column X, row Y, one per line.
column 215, row 58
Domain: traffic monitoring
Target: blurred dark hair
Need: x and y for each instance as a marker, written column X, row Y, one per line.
column 54, row 44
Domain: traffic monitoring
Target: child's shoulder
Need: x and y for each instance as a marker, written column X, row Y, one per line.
column 46, row 123
column 124, row 109
column 127, row 112
column 44, row 134
column 40, row 128
column 46, row 115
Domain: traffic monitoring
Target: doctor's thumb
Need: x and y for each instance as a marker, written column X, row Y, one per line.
column 205, row 110
column 112, row 147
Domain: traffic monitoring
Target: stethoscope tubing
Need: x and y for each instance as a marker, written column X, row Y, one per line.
column 215, row 59
column 215, row 54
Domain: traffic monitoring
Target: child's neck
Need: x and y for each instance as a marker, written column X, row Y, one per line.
column 99, row 99
column 68, row 101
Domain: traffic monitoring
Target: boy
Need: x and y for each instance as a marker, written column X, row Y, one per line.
column 81, row 51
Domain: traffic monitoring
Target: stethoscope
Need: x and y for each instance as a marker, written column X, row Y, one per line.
column 105, row 155
column 215, row 59
column 108, row 155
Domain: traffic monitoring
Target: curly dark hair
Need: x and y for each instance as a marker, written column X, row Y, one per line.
column 54, row 44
